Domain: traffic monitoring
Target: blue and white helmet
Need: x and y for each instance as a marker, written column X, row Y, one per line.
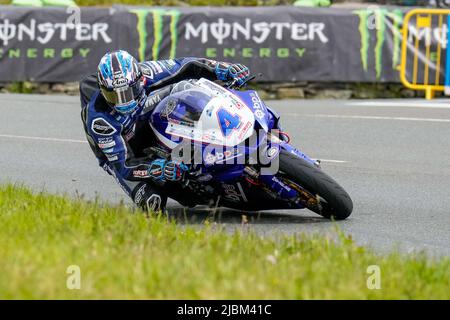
column 121, row 81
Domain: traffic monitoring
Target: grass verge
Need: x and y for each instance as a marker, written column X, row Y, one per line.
column 123, row 255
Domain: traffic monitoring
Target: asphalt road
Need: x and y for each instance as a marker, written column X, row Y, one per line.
column 392, row 156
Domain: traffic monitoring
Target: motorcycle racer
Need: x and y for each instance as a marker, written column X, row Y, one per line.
column 116, row 105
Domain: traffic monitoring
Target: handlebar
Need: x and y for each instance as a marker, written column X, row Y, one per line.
column 233, row 85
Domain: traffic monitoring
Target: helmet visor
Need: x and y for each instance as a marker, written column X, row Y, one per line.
column 123, row 96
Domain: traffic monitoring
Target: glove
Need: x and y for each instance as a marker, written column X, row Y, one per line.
column 174, row 171
column 156, row 170
column 235, row 72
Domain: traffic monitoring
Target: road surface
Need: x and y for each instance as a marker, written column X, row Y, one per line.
column 392, row 156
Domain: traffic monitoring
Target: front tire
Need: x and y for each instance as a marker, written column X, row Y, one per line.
column 333, row 201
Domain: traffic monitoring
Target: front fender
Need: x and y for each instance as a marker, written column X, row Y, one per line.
column 298, row 153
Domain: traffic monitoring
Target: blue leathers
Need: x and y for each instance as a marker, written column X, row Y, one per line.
column 118, row 140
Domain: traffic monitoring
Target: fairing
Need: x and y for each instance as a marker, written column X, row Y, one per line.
column 222, row 124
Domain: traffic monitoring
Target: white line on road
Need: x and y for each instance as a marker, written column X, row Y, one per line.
column 338, row 116
column 41, row 138
column 406, row 104
column 333, row 161
column 10, row 136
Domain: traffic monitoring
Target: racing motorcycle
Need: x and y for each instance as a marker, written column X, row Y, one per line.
column 239, row 157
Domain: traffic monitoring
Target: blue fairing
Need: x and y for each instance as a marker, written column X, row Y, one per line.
column 297, row 152
column 225, row 165
column 231, row 174
column 254, row 102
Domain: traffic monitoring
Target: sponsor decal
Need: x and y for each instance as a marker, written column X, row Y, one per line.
column 250, row 53
column 256, row 101
column 110, row 150
column 180, row 122
column 266, row 40
column 102, row 127
column 119, row 82
column 221, row 156
column 140, row 173
column 230, row 193
column 373, row 23
column 259, row 114
column 225, row 154
column 160, row 18
column 152, row 101
column 146, row 70
column 257, row 32
column 154, row 202
column 130, row 134
column 45, row 53
column 105, row 144
column 282, row 184
column 46, row 32
column 112, row 157
column 174, row 121
column 237, row 103
column 208, row 137
column 156, row 172
column 140, row 194
column 245, row 130
column 105, row 140
column 169, row 64
column 222, row 31
column 218, row 156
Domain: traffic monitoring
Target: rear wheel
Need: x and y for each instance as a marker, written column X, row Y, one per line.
column 318, row 191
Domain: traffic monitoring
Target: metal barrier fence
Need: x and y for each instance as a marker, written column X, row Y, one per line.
column 425, row 58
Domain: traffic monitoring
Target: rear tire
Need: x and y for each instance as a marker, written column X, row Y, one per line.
column 338, row 204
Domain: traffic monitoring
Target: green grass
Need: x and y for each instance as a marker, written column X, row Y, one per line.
column 126, row 255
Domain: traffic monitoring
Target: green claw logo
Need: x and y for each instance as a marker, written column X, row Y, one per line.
column 378, row 20
column 158, row 16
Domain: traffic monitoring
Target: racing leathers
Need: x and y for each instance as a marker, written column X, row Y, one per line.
column 118, row 141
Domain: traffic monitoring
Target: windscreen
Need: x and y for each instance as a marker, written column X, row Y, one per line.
column 190, row 105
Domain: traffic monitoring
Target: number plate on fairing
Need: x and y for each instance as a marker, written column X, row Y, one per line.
column 225, row 120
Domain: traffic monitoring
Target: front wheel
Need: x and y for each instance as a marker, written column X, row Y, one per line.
column 319, row 192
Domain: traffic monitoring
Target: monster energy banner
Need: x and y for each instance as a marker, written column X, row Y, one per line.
column 283, row 43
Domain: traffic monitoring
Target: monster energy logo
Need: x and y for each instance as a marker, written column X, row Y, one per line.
column 158, row 16
column 379, row 20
